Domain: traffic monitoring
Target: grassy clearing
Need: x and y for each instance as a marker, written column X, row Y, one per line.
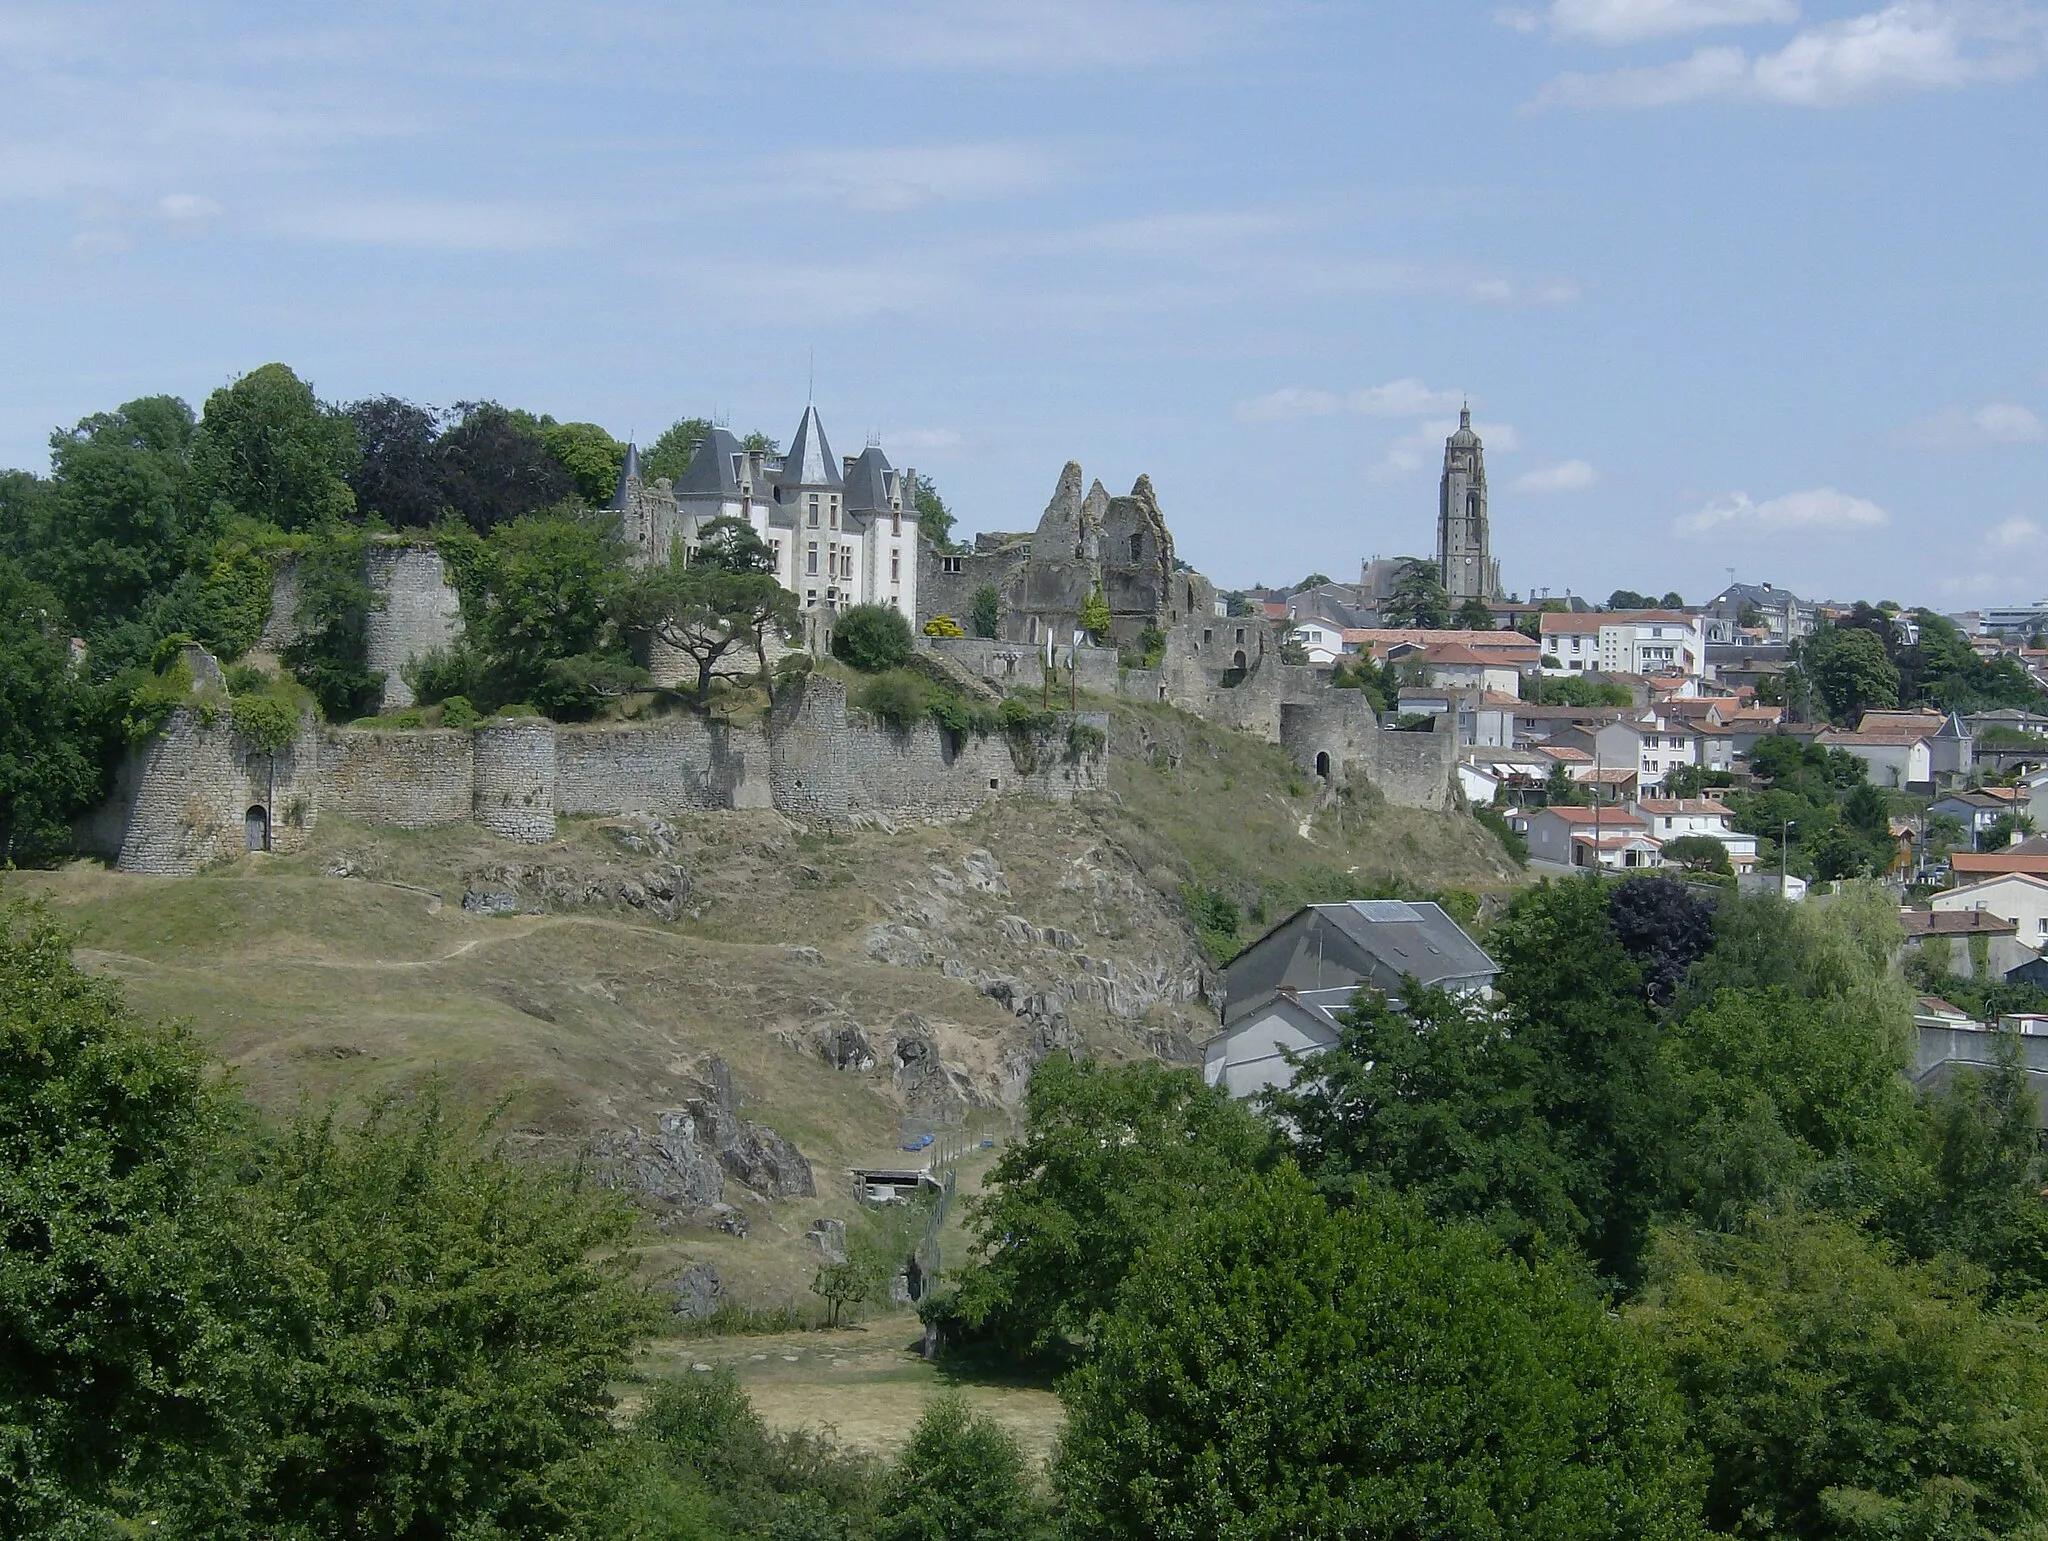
column 866, row 1387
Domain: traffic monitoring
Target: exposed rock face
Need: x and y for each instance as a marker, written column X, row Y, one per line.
column 699, row 1292
column 660, row 888
column 830, row 1235
column 693, row 1150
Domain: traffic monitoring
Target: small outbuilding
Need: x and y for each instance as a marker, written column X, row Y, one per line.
column 1285, row 992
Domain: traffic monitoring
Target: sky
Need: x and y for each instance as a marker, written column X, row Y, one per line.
column 1733, row 286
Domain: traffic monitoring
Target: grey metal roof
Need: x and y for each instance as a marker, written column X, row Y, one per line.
column 629, row 472
column 867, row 484
column 712, row 471
column 810, row 462
column 1374, row 942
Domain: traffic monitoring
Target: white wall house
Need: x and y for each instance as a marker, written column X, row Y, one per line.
column 1893, row 759
column 1588, row 837
column 2018, row 897
column 1670, row 818
column 1624, row 642
column 1323, row 641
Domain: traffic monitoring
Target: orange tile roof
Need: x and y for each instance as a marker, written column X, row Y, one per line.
column 2000, row 861
column 1608, row 818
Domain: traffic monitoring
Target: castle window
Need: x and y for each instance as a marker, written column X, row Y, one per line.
column 811, row 560
column 895, row 568
column 1240, row 634
column 812, row 512
column 896, row 523
column 1137, row 548
column 952, row 564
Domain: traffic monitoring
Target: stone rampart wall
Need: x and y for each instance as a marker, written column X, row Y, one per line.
column 409, row 780
column 675, row 764
column 413, row 612
column 928, row 772
column 1017, row 666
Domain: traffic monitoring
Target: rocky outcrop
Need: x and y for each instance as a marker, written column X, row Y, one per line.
column 692, row 1152
column 698, row 1292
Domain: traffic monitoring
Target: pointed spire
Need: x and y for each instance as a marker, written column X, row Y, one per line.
column 810, row 462
column 629, row 472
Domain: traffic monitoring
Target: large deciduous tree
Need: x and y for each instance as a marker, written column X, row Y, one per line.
column 119, row 526
column 496, row 467
column 399, row 477
column 52, row 725
column 1110, row 1158
column 1851, row 670
column 1274, row 1367
column 267, row 449
column 590, row 455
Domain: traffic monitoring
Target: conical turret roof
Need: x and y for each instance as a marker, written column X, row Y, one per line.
column 810, row 462
column 629, row 472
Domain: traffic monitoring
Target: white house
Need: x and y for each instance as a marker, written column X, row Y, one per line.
column 1893, row 759
column 1672, row 818
column 1450, row 664
column 1284, row 993
column 1485, row 718
column 1624, row 642
column 1323, row 641
column 2019, row 897
column 1587, row 837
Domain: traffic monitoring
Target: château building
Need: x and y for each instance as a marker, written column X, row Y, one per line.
column 843, row 531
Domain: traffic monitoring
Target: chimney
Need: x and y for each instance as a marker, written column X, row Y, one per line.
column 846, row 465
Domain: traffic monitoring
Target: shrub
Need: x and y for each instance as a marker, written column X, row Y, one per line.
column 1698, row 853
column 943, row 626
column 268, row 722
column 988, row 611
column 456, row 712
column 872, row 638
column 1510, row 839
column 898, row 698
column 962, row 1476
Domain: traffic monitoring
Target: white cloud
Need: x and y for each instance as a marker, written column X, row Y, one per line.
column 1633, row 21
column 2014, row 534
column 1911, row 45
column 894, row 180
column 1407, row 397
column 1567, row 476
column 1999, row 422
column 186, row 206
column 431, row 224
column 1425, row 446
column 1823, row 510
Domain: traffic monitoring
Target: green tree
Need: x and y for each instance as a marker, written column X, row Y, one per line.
column 1110, row 1158
column 117, row 528
column 1473, row 615
column 590, row 455
column 539, row 593
column 330, row 655
column 671, row 453
column 872, row 638
column 712, row 608
column 1629, row 599
column 53, row 726
column 398, row 477
column 841, row 1285
column 1838, row 1392
column 266, row 448
column 960, row 1477
column 1698, row 853
column 1419, row 599
column 1276, row 1368
column 988, row 611
column 934, row 518
column 1851, row 671
column 1561, row 789
column 1095, row 619
column 496, row 466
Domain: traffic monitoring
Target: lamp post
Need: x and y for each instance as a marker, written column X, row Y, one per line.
column 1784, row 858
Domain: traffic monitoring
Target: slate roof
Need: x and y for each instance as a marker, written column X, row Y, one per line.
column 628, row 472
column 710, row 471
column 1365, row 942
column 867, row 484
column 1920, row 923
column 810, row 461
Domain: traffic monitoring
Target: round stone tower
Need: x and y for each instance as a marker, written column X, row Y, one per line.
column 515, row 779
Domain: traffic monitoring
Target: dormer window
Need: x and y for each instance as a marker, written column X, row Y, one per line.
column 739, row 467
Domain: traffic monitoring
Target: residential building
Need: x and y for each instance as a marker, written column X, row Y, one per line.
column 1485, row 718
column 1948, row 1041
column 1967, row 943
column 1671, row 818
column 1455, row 664
column 1285, row 993
column 1583, row 838
column 1893, row 759
column 2028, row 856
column 1951, row 743
column 1402, row 643
column 1503, row 775
column 1323, row 641
column 2015, row 896
column 1624, row 642
column 1653, row 742
column 1758, row 612
column 1978, row 808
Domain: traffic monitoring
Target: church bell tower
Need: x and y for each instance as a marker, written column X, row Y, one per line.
column 1464, row 548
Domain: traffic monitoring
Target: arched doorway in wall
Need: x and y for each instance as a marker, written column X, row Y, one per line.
column 1323, row 763
column 256, row 828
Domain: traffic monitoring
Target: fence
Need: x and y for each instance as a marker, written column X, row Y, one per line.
column 926, row 1256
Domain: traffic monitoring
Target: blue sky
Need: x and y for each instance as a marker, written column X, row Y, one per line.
column 1749, row 284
